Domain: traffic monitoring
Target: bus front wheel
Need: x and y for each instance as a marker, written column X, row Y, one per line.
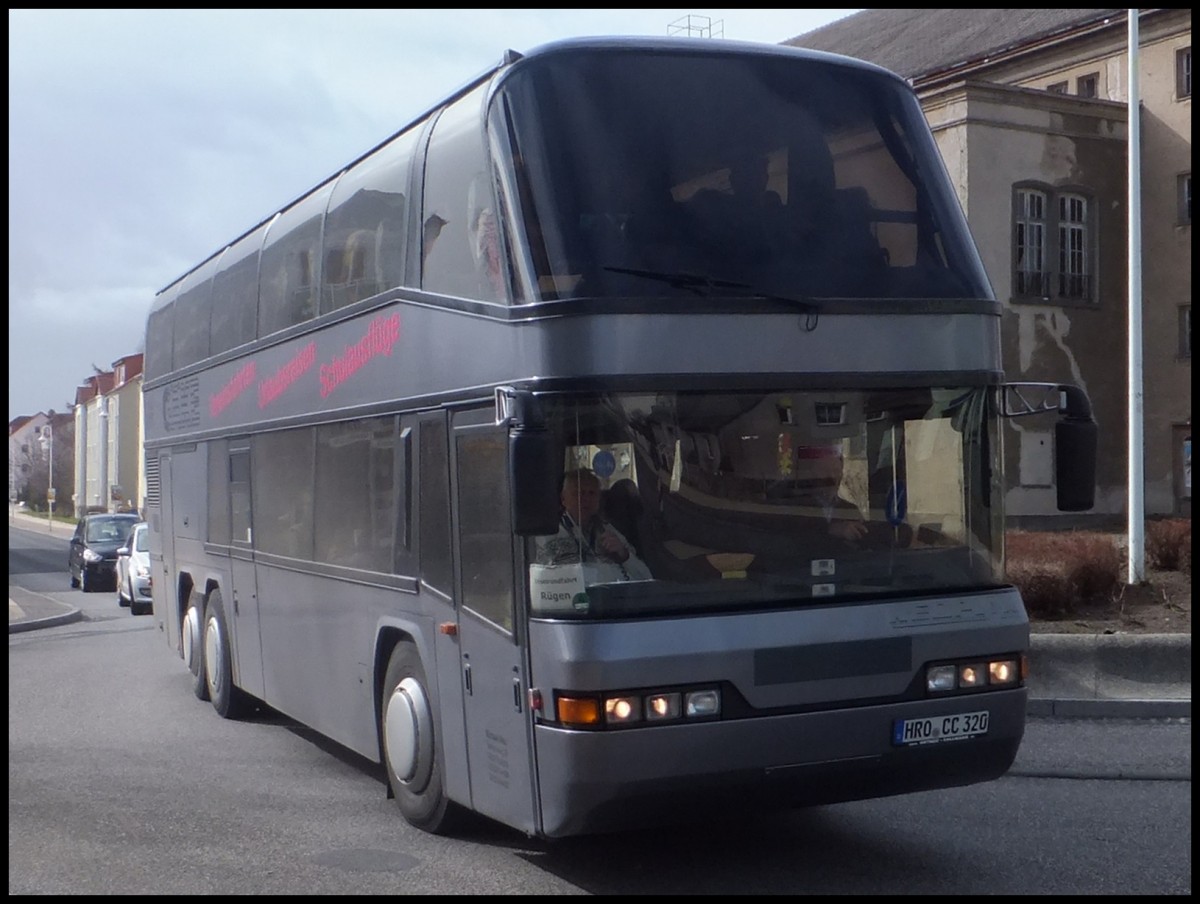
column 228, row 700
column 410, row 744
column 193, row 643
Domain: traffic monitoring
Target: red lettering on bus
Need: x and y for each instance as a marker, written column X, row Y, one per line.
column 241, row 381
column 272, row 387
column 381, row 336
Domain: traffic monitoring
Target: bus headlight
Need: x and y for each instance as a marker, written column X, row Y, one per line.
column 622, row 710
column 975, row 675
column 698, row 704
column 628, row 709
column 662, row 706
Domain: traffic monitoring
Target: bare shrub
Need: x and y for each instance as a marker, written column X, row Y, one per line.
column 1046, row 593
column 1095, row 569
column 1169, row 544
column 1058, row 571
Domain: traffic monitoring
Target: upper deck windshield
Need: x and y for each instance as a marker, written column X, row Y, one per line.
column 713, row 501
column 642, row 174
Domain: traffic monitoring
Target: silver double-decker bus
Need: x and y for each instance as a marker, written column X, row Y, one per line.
column 618, row 441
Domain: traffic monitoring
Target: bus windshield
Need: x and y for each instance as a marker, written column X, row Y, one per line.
column 645, row 176
column 729, row 500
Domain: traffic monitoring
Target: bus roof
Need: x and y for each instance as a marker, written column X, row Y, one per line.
column 658, row 46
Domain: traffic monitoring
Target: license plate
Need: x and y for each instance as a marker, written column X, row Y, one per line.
column 936, row 729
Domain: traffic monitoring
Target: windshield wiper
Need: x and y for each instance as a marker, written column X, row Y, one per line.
column 707, row 285
column 693, row 281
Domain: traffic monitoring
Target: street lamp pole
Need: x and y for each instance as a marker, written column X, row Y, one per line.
column 48, row 443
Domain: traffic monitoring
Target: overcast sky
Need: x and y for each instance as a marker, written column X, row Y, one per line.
column 141, row 141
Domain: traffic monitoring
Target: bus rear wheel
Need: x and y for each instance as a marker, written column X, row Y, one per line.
column 410, row 745
column 192, row 641
column 227, row 700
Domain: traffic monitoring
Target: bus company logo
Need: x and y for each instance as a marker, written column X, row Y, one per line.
column 181, row 404
column 241, row 381
column 271, row 388
column 381, row 336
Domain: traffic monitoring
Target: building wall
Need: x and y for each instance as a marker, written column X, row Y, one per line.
column 124, row 445
column 1166, row 272
column 24, row 445
column 1006, row 128
column 96, row 453
column 81, row 446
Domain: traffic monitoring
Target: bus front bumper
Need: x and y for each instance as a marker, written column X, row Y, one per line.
column 603, row 781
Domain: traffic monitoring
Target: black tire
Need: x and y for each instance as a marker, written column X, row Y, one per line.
column 192, row 643
column 136, row 608
column 74, row 580
column 410, row 745
column 229, row 701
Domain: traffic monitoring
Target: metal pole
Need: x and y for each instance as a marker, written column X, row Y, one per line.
column 1136, row 478
column 50, row 481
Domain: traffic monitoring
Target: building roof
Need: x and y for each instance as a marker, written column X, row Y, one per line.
column 916, row 43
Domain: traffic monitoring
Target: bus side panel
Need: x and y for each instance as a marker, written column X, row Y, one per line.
column 318, row 647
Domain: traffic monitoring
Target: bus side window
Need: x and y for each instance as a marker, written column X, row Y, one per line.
column 365, row 233
column 287, row 275
column 458, row 208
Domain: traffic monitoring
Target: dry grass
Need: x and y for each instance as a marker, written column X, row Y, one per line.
column 1059, row 572
column 1169, row 545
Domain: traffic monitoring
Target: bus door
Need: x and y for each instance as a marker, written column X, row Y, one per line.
column 490, row 632
column 245, row 634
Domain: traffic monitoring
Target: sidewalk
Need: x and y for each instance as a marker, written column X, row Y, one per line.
column 1146, row 676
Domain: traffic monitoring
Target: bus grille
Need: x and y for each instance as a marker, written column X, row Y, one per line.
column 153, row 481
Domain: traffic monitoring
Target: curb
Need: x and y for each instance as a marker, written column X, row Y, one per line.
column 48, row 621
column 1109, row 709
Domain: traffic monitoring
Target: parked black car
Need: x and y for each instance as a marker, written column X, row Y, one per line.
column 92, row 560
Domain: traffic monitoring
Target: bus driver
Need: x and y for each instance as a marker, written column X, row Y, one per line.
column 585, row 537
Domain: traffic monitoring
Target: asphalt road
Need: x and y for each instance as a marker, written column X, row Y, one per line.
column 121, row 782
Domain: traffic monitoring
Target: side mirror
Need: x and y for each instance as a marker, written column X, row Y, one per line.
column 534, row 473
column 535, row 463
column 123, row 551
column 1076, row 436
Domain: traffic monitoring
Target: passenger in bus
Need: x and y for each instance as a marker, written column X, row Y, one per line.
column 748, row 179
column 820, row 472
column 585, row 537
column 485, row 240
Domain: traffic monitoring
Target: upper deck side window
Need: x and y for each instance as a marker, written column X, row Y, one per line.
column 461, row 246
column 287, row 289
column 366, row 228
column 235, row 294
column 193, row 310
column 648, row 175
column 159, row 329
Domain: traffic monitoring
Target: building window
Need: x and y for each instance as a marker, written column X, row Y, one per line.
column 1085, row 85
column 1185, row 331
column 1057, row 88
column 1072, row 247
column 1183, row 73
column 1031, row 277
column 1185, row 199
column 1053, row 246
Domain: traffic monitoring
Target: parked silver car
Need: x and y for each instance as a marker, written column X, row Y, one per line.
column 133, row 571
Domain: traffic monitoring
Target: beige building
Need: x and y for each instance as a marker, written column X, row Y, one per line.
column 1031, row 111
column 108, row 439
